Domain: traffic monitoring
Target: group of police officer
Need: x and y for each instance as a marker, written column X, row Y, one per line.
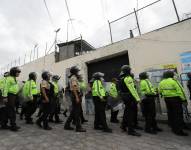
column 169, row 88
column 124, row 88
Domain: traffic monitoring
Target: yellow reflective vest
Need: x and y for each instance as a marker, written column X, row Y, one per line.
column 12, row 86
column 98, row 89
column 129, row 82
column 147, row 88
column 113, row 90
column 29, row 89
column 171, row 88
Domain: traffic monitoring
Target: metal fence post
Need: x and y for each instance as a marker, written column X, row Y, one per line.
column 176, row 11
column 137, row 21
column 110, row 32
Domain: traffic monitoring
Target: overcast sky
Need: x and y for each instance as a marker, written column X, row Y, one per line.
column 24, row 23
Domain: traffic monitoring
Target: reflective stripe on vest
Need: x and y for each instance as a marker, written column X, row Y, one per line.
column 98, row 89
column 56, row 88
column 113, row 90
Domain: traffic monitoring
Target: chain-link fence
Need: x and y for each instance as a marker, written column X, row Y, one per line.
column 153, row 16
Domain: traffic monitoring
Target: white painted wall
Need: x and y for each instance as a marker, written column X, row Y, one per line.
column 150, row 50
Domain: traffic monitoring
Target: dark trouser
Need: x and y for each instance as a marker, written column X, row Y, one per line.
column 100, row 117
column 129, row 115
column 17, row 104
column 9, row 111
column 54, row 109
column 135, row 120
column 2, row 111
column 175, row 113
column 45, row 113
column 23, row 109
column 149, row 113
column 30, row 109
column 75, row 113
column 114, row 115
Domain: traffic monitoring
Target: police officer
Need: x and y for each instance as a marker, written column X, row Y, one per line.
column 130, row 97
column 99, row 98
column 30, row 94
column 114, row 100
column 76, row 101
column 12, row 89
column 47, row 91
column 148, row 94
column 174, row 97
column 55, row 104
column 3, row 98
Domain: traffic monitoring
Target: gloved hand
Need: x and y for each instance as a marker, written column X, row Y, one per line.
column 185, row 103
column 5, row 99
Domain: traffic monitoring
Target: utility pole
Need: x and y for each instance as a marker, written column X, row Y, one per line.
column 30, row 55
column 56, row 31
column 137, row 21
column 178, row 18
column 24, row 59
column 110, row 31
column 35, row 46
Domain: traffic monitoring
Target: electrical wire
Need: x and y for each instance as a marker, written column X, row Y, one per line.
column 49, row 15
column 69, row 15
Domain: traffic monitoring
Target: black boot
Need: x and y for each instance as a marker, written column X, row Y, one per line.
column 5, row 127
column 134, row 133
column 14, row 128
column 80, row 130
column 150, row 131
column 65, row 113
column 38, row 123
column 157, row 129
column 108, row 130
column 46, row 126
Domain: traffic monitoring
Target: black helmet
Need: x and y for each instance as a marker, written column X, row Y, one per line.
column 6, row 74
column 126, row 69
column 143, row 76
column 74, row 70
column 45, row 75
column 168, row 74
column 98, row 75
column 14, row 71
column 189, row 75
column 32, row 76
column 55, row 77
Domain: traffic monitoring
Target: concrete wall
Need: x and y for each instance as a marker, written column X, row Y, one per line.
column 151, row 50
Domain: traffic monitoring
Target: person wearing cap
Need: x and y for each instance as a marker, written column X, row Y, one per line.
column 11, row 92
column 76, row 101
column 30, row 94
column 3, row 98
column 174, row 97
column 55, row 104
column 47, row 92
column 130, row 98
column 148, row 95
column 99, row 98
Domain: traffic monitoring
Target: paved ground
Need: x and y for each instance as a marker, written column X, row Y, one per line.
column 30, row 137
